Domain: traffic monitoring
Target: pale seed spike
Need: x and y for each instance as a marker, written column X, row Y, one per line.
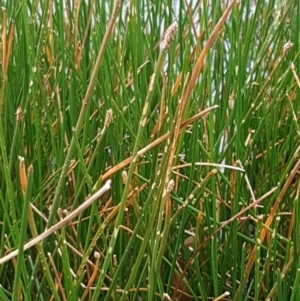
column 169, row 36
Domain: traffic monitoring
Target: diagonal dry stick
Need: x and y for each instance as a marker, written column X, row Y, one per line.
column 61, row 223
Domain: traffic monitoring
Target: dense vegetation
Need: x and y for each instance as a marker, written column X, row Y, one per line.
column 160, row 139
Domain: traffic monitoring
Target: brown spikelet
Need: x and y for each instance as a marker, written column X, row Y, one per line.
column 3, row 39
column 22, row 172
column 9, row 45
column 93, row 276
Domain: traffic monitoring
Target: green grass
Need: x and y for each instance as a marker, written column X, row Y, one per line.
column 199, row 141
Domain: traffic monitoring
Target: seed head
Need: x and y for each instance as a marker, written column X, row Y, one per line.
column 108, row 117
column 169, row 36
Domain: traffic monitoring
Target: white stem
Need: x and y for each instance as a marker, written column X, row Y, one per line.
column 61, row 223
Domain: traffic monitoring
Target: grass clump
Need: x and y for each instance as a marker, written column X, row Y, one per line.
column 149, row 151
